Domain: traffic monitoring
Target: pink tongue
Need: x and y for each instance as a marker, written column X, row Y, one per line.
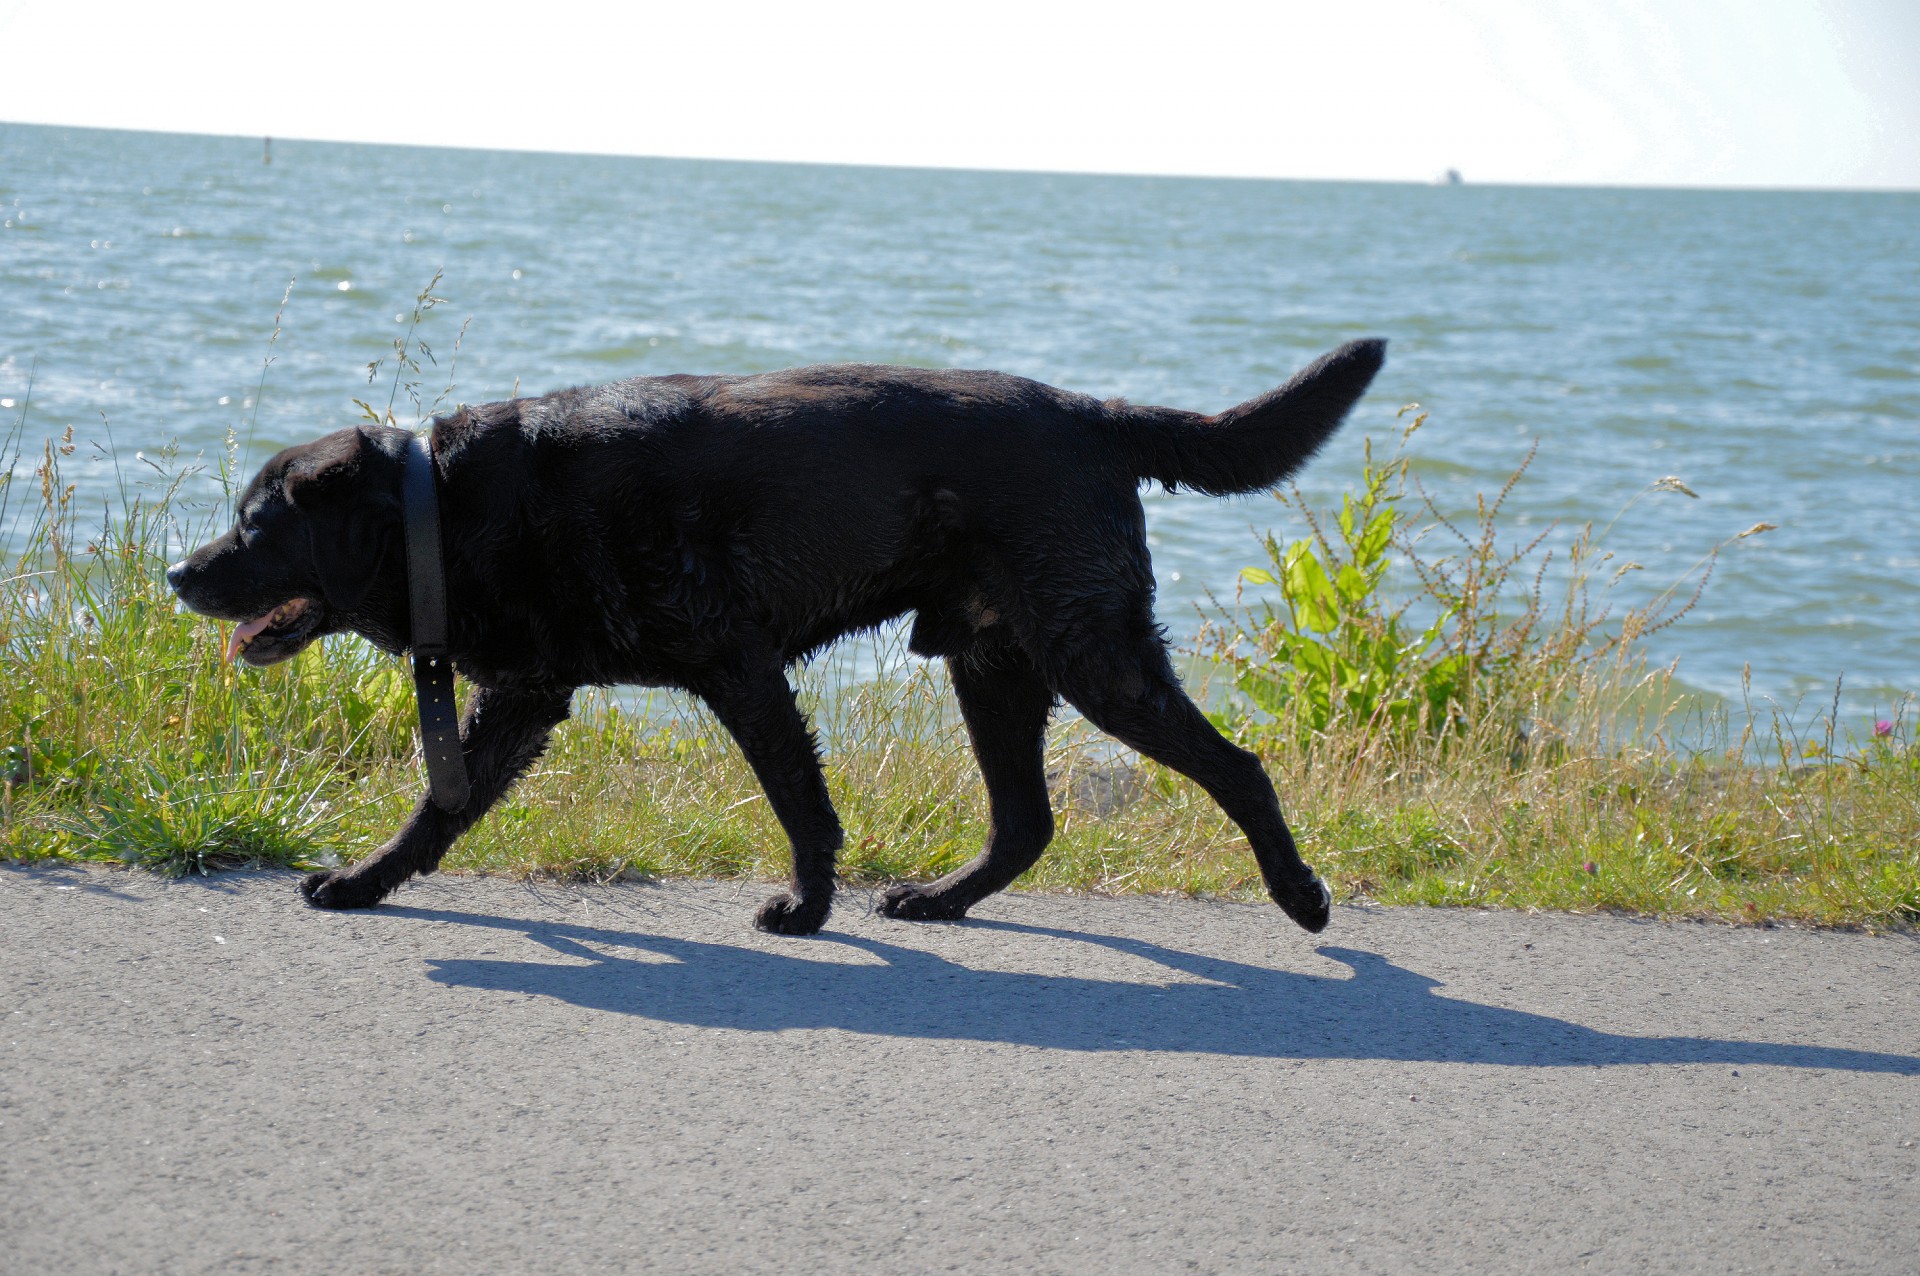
column 243, row 632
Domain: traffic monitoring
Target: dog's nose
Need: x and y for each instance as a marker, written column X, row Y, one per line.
column 177, row 573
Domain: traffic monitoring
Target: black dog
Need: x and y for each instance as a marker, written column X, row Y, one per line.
column 706, row 532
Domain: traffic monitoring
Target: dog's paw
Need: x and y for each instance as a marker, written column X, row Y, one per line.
column 1310, row 904
column 340, row 890
column 910, row 903
column 786, row 915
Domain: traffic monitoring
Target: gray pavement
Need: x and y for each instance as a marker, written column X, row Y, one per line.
column 490, row 1076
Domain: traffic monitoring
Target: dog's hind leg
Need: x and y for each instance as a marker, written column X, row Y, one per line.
column 755, row 704
column 503, row 733
column 1132, row 693
column 1006, row 705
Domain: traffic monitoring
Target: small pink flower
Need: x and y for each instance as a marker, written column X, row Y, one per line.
column 1883, row 728
column 1592, row 867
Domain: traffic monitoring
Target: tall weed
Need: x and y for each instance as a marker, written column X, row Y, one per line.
column 1467, row 719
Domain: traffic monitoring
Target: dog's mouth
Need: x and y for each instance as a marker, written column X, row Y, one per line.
column 282, row 632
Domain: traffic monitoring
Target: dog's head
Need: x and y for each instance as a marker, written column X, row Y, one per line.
column 315, row 549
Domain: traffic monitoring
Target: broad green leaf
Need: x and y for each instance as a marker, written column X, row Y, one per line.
column 1311, row 593
column 1353, row 584
column 1378, row 534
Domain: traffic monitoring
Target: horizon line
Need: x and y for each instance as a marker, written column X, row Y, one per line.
column 1440, row 179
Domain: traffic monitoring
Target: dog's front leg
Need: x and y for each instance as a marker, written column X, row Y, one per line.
column 503, row 734
column 755, row 704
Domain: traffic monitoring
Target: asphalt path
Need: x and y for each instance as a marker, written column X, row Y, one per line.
column 492, row 1076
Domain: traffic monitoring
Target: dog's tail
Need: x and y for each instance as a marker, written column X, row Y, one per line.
column 1258, row 443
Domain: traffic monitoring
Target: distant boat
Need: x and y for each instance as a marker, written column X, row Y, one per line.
column 1451, row 178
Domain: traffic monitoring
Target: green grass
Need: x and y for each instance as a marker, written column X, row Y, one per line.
column 1520, row 755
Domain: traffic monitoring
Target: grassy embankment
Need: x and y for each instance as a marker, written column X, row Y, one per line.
column 1480, row 746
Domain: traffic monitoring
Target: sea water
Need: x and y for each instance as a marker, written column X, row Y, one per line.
column 1763, row 348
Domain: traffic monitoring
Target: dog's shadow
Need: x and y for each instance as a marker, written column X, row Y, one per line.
column 1379, row 1011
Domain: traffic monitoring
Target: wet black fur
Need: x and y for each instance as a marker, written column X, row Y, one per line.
column 706, row 532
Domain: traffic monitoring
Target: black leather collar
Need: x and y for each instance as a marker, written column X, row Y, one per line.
column 427, row 605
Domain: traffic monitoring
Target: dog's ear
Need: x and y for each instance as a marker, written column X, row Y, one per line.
column 348, row 489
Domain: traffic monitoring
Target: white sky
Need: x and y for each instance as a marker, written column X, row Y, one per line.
column 1669, row 92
